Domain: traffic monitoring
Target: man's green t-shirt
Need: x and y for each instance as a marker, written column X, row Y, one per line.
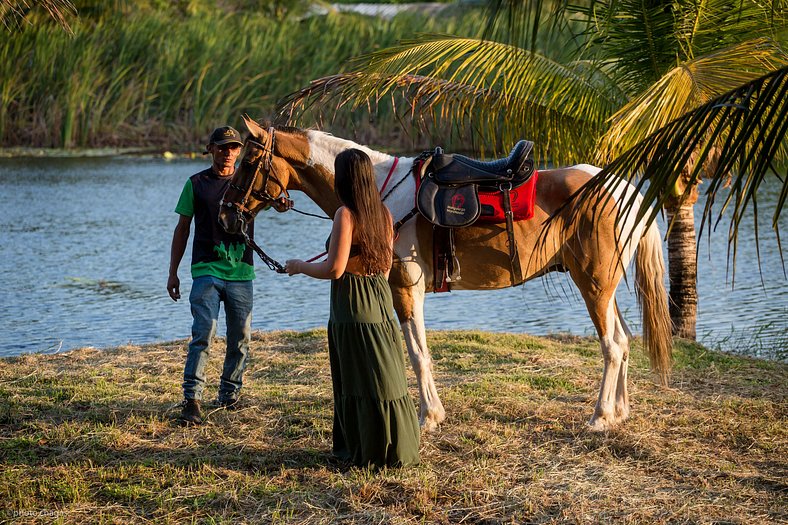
column 214, row 251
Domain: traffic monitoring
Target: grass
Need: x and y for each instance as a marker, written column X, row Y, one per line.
column 89, row 437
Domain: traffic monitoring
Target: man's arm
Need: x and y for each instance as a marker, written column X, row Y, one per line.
column 179, row 239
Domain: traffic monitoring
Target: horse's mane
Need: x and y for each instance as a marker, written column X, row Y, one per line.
column 291, row 129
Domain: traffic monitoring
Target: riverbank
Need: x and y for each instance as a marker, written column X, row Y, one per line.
column 77, row 153
column 90, row 436
column 83, row 153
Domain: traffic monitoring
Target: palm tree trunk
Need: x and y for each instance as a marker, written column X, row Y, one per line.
column 682, row 270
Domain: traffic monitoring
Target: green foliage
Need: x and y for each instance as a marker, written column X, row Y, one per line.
column 129, row 78
column 689, row 354
column 15, row 14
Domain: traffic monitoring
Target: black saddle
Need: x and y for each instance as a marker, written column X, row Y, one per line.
column 449, row 192
column 517, row 167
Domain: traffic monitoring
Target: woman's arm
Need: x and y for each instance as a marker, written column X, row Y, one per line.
column 338, row 251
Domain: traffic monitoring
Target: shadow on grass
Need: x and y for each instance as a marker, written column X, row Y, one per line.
column 259, row 437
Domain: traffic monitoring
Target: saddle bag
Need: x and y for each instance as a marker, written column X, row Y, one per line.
column 452, row 206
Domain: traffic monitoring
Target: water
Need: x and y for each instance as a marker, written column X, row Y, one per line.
column 85, row 252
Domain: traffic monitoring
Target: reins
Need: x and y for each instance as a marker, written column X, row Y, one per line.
column 266, row 162
column 272, row 263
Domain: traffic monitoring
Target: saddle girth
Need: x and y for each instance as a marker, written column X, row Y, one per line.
column 514, row 258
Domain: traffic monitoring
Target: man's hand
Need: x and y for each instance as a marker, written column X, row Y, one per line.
column 174, row 287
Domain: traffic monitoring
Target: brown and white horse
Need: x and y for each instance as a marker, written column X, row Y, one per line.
column 590, row 247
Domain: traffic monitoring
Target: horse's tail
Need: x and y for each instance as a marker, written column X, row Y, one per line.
column 650, row 290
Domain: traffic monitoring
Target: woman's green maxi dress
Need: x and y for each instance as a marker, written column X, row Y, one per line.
column 375, row 420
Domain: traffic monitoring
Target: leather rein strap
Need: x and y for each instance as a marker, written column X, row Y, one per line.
column 264, row 165
column 514, row 259
column 382, row 188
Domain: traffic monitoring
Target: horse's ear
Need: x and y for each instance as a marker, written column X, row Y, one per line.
column 253, row 127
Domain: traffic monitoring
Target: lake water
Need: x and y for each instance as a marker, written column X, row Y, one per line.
column 85, row 251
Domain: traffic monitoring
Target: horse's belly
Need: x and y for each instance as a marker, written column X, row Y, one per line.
column 484, row 257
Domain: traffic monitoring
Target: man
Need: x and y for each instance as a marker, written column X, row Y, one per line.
column 222, row 270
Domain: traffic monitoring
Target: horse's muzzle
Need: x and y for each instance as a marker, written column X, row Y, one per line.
column 229, row 219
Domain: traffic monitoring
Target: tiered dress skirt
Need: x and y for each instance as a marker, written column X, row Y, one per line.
column 375, row 420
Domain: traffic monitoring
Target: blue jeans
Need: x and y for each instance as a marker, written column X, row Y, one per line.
column 206, row 294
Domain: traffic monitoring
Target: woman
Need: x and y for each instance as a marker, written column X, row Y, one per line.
column 375, row 420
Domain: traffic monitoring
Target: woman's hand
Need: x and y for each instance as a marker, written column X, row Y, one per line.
column 293, row 266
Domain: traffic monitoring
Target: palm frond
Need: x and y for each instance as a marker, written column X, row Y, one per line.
column 642, row 41
column 703, row 27
column 503, row 90
column 518, row 23
column 687, row 87
column 748, row 126
column 636, row 36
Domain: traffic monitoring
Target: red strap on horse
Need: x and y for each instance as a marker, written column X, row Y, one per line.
column 391, row 172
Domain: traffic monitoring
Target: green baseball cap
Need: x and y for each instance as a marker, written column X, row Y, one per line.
column 225, row 135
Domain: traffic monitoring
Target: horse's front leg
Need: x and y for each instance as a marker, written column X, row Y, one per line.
column 431, row 412
column 409, row 304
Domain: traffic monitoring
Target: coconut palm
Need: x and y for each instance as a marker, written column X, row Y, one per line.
column 674, row 91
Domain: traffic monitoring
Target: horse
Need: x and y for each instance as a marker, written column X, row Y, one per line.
column 590, row 243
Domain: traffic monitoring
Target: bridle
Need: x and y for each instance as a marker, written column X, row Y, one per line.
column 262, row 166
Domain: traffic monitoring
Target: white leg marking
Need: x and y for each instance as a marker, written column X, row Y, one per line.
column 604, row 413
column 622, row 337
column 431, row 412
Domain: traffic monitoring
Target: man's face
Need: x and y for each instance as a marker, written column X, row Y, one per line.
column 224, row 156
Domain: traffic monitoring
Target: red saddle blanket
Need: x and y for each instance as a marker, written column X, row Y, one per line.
column 522, row 198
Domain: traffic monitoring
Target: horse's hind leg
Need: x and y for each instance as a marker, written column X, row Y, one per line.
column 604, row 314
column 622, row 337
column 409, row 304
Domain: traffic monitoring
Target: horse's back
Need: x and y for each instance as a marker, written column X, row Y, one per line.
column 483, row 250
column 556, row 186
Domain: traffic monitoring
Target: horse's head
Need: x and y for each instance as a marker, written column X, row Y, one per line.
column 259, row 182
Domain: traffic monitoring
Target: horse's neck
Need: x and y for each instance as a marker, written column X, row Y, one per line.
column 318, row 179
column 318, row 184
column 325, row 147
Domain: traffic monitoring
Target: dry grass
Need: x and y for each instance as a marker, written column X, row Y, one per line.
column 89, row 437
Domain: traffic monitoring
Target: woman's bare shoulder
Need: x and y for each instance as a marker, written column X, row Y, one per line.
column 343, row 212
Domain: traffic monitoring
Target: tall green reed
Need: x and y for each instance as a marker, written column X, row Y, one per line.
column 142, row 80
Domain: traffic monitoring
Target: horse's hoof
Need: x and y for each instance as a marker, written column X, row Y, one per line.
column 429, row 425
column 622, row 414
column 430, row 422
column 600, row 424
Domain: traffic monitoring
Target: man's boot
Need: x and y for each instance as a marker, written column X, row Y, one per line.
column 191, row 415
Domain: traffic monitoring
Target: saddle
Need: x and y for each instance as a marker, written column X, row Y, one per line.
column 448, row 196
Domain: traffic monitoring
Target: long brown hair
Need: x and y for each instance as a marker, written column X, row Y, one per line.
column 356, row 188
